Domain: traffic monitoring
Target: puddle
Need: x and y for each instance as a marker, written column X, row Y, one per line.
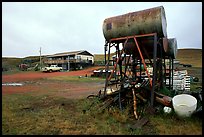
column 12, row 84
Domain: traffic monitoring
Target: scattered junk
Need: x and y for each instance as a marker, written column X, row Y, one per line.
column 194, row 79
column 35, row 68
column 187, row 65
column 101, row 73
column 181, row 81
column 12, row 84
column 167, row 109
column 23, row 67
column 143, row 64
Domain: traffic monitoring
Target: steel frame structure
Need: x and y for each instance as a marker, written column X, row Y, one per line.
column 133, row 79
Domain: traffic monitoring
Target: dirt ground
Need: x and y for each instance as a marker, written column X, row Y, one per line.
column 34, row 82
column 19, row 77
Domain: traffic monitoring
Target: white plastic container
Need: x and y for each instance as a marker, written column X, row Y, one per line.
column 167, row 109
column 184, row 105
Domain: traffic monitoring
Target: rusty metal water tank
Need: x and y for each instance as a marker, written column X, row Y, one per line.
column 136, row 23
column 171, row 50
column 169, row 46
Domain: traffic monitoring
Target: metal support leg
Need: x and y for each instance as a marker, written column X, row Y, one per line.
column 164, row 71
column 140, row 69
column 172, row 72
column 143, row 61
column 169, row 73
column 107, row 67
column 121, row 76
column 154, row 69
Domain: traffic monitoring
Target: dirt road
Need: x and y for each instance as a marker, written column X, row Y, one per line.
column 34, row 82
column 39, row 75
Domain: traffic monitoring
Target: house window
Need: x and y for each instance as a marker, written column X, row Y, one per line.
column 71, row 57
column 79, row 57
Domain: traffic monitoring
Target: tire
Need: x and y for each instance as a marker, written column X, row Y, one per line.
column 50, row 70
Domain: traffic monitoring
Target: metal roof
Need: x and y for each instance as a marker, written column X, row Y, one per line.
column 68, row 53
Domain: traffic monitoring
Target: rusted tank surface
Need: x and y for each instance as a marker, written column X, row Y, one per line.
column 170, row 47
column 146, row 46
column 130, row 47
column 172, row 50
column 136, row 23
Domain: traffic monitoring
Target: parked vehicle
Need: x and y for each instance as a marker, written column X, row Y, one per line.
column 52, row 68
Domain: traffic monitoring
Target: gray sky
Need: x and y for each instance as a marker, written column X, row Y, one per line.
column 69, row 26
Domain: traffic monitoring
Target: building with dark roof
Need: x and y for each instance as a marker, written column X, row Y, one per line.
column 70, row 60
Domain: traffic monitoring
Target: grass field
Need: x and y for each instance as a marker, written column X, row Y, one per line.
column 31, row 113
column 77, row 79
column 37, row 114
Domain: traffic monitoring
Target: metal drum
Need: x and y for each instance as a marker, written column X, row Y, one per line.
column 136, row 23
column 170, row 47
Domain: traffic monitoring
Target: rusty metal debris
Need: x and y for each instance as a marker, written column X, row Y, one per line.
column 139, row 41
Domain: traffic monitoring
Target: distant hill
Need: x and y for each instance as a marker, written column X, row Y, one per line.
column 185, row 56
column 11, row 63
column 100, row 57
column 190, row 56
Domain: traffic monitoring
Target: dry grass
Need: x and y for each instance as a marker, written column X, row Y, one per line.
column 76, row 79
column 190, row 56
column 185, row 56
column 172, row 125
column 100, row 57
column 45, row 115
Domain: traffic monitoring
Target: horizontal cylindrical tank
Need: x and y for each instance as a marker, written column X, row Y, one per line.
column 136, row 23
column 170, row 47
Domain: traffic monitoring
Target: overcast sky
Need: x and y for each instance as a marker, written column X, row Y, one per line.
column 62, row 27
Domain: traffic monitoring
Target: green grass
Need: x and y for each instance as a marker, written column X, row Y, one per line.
column 167, row 92
column 171, row 124
column 34, row 115
column 76, row 79
column 47, row 115
column 15, row 71
column 195, row 85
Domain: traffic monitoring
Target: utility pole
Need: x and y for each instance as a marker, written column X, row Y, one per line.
column 40, row 60
column 68, row 63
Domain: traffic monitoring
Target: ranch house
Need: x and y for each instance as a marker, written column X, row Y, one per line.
column 70, row 60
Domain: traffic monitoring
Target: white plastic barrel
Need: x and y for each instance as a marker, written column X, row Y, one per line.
column 184, row 105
